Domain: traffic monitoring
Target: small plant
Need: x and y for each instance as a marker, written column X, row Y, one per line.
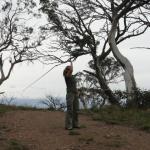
column 16, row 145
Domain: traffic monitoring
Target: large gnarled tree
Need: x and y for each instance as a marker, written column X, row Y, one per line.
column 96, row 27
column 72, row 24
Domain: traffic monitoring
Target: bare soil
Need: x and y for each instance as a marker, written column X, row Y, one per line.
column 44, row 130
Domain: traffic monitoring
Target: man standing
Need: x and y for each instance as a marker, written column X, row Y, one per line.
column 71, row 99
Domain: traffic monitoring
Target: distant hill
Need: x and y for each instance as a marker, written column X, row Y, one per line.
column 24, row 102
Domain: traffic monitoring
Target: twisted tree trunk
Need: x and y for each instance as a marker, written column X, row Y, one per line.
column 111, row 97
column 125, row 63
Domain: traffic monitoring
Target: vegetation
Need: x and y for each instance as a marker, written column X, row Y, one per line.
column 96, row 29
column 16, row 145
column 76, row 28
column 54, row 103
column 7, row 108
column 71, row 33
column 90, row 92
column 18, row 41
column 123, row 116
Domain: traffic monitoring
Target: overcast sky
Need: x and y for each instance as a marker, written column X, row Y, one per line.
column 53, row 83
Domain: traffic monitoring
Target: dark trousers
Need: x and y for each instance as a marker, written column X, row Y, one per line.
column 72, row 110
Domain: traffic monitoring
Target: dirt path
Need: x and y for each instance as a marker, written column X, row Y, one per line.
column 39, row 130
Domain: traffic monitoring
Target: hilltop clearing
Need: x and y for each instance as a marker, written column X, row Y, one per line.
column 44, row 130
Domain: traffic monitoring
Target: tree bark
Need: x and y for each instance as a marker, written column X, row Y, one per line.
column 111, row 97
column 125, row 63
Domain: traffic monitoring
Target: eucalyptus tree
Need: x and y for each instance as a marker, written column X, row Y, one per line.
column 124, row 19
column 18, row 41
column 96, row 27
column 90, row 92
column 128, row 11
column 72, row 23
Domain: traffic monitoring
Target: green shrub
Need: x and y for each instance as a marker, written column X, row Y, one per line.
column 131, row 117
column 143, row 98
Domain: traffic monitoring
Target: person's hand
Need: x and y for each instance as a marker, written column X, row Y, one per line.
column 71, row 64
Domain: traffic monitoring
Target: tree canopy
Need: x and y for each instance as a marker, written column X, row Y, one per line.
column 18, row 41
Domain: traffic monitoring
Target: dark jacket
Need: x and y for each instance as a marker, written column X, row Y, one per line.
column 71, row 84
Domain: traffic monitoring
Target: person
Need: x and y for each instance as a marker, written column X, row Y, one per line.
column 71, row 99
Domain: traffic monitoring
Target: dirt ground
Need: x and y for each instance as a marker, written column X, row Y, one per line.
column 44, row 130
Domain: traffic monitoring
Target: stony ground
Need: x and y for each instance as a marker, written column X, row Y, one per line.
column 44, row 130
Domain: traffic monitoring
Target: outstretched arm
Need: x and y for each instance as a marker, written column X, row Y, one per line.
column 71, row 65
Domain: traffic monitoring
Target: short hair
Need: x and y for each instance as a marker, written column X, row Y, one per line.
column 68, row 68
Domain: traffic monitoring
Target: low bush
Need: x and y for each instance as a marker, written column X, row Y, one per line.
column 131, row 117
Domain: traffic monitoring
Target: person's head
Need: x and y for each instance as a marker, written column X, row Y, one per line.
column 68, row 71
